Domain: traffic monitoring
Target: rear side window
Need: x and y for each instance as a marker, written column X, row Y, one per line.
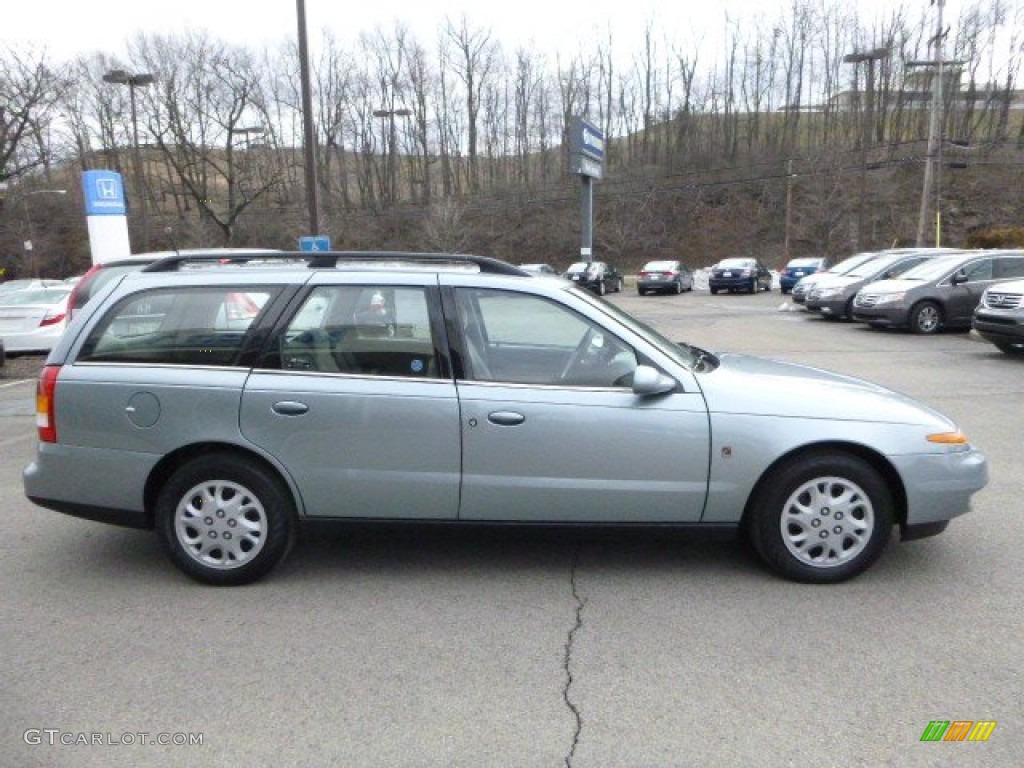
column 179, row 326
column 365, row 330
column 1010, row 266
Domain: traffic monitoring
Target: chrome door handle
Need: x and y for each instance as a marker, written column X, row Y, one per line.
column 289, row 408
column 506, row 418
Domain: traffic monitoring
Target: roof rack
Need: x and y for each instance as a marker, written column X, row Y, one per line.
column 331, row 259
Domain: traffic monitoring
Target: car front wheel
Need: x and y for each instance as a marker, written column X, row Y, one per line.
column 224, row 520
column 822, row 519
column 926, row 318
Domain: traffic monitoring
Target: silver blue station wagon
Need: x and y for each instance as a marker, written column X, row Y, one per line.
column 224, row 405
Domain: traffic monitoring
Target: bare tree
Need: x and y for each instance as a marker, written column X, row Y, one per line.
column 474, row 63
column 30, row 88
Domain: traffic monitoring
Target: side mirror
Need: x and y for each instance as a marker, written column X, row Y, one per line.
column 650, row 381
column 959, row 277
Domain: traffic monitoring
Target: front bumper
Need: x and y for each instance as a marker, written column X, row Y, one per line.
column 833, row 307
column 939, row 487
column 895, row 316
column 1003, row 328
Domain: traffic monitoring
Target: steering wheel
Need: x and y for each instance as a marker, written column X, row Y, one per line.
column 579, row 355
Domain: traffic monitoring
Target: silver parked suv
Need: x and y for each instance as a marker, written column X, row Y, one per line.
column 225, row 405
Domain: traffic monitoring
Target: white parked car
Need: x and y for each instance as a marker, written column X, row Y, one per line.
column 33, row 319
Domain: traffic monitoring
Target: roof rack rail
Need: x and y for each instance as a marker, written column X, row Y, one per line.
column 331, row 259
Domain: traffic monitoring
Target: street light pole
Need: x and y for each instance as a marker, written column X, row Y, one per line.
column 31, row 265
column 390, row 115
column 133, row 81
column 309, row 136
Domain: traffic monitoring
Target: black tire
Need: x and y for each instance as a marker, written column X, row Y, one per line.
column 678, row 288
column 783, row 290
column 754, row 286
column 1009, row 348
column 253, row 509
column 602, row 289
column 848, row 310
column 926, row 318
column 714, row 291
column 821, row 519
column 641, row 291
column 620, row 283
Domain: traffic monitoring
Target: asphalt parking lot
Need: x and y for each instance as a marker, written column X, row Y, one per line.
column 401, row 646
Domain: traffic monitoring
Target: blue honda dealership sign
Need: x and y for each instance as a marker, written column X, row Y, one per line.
column 315, row 243
column 104, row 193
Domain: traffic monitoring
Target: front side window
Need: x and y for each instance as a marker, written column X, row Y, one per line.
column 367, row 330
column 519, row 338
column 178, row 326
column 979, row 270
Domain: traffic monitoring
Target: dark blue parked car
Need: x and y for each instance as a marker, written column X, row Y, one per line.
column 740, row 274
column 798, row 269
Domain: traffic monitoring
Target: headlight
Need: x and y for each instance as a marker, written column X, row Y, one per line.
column 829, row 293
column 889, row 298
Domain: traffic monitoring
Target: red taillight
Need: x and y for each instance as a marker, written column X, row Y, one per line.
column 79, row 287
column 46, row 423
column 671, row 275
column 52, row 319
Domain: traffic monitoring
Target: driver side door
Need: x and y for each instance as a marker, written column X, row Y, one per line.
column 551, row 428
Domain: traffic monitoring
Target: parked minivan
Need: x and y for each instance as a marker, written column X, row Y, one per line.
column 833, row 296
column 938, row 294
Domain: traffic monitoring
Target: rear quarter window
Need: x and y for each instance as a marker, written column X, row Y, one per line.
column 177, row 326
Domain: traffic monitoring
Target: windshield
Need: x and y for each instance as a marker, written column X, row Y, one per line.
column 933, row 268
column 579, row 266
column 660, row 266
column 735, row 264
column 874, row 266
column 685, row 356
column 844, row 266
column 803, row 263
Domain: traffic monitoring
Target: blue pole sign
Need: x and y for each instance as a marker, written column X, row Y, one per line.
column 315, row 243
column 104, row 193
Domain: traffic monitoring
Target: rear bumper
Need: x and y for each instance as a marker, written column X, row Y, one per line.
column 731, row 283
column 64, row 478
column 657, row 285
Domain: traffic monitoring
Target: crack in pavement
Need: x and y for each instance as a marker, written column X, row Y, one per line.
column 568, row 659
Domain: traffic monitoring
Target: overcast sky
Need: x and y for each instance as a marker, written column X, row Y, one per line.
column 69, row 27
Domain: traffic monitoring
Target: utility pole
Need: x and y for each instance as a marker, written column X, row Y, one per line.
column 789, row 205
column 934, row 138
column 867, row 127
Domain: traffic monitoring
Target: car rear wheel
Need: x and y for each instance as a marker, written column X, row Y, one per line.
column 224, row 520
column 821, row 519
column 926, row 318
column 714, row 291
column 1010, row 348
column 678, row 287
column 602, row 289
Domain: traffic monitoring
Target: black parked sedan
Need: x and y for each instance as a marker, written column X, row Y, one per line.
column 597, row 276
column 740, row 274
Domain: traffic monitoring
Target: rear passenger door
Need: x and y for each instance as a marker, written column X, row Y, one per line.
column 354, row 397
